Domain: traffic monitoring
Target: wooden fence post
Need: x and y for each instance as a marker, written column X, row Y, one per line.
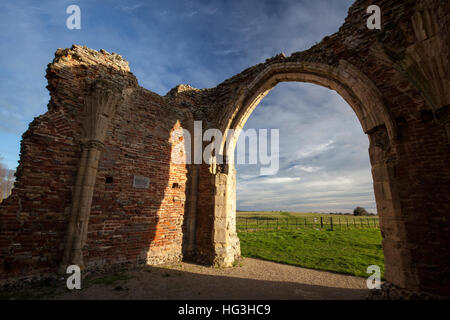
column 331, row 223
column 321, row 223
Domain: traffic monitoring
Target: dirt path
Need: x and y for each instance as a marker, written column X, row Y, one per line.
column 252, row 279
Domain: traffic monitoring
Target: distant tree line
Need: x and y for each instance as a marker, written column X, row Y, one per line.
column 6, row 181
column 360, row 211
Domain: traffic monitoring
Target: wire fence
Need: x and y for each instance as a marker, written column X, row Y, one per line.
column 252, row 224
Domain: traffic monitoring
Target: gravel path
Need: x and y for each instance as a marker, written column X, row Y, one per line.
column 252, row 279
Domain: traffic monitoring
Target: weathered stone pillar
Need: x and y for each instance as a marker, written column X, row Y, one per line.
column 225, row 239
column 100, row 108
column 399, row 267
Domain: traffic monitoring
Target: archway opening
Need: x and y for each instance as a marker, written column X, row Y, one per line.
column 301, row 210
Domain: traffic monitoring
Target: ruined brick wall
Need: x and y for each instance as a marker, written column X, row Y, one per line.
column 396, row 80
column 127, row 225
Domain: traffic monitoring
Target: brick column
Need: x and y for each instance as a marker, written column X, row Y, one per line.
column 100, row 108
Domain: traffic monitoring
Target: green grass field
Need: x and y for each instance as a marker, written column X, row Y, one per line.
column 254, row 221
column 348, row 251
column 284, row 214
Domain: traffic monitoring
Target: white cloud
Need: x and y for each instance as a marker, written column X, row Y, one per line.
column 305, row 168
column 276, row 180
column 313, row 150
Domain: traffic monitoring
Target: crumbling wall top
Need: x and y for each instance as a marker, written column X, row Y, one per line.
column 89, row 56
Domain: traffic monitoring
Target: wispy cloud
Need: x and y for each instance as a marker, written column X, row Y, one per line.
column 313, row 150
column 131, row 7
column 305, row 168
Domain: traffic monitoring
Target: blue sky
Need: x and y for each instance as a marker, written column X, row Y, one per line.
column 202, row 43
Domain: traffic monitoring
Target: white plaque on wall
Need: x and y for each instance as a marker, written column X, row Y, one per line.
column 141, row 182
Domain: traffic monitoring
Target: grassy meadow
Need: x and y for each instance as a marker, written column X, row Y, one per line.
column 347, row 250
column 254, row 221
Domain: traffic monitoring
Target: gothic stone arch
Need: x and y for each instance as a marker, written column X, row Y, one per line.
column 358, row 90
column 77, row 200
